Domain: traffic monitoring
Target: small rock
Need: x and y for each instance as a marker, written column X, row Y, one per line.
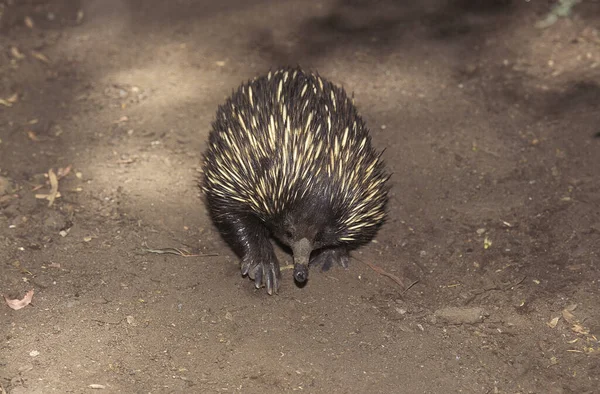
column 54, row 220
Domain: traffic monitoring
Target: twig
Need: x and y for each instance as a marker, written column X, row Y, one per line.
column 410, row 286
column 381, row 271
column 53, row 187
column 178, row 252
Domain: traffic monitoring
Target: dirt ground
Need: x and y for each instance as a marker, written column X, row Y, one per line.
column 491, row 126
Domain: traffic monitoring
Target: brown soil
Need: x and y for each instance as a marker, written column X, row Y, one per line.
column 491, row 130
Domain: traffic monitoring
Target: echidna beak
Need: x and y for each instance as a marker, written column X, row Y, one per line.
column 301, row 250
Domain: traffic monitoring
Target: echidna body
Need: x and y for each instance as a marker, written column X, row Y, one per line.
column 288, row 156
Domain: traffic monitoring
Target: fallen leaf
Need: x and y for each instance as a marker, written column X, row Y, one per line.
column 8, row 102
column 53, row 187
column 552, row 323
column 32, row 136
column 18, row 304
column 43, row 196
column 579, row 329
column 14, row 51
column 569, row 317
column 40, row 56
column 487, row 243
column 29, row 22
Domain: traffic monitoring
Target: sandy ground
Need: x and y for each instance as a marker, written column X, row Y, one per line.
column 492, row 131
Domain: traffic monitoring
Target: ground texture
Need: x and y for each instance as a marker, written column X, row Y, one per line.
column 491, row 126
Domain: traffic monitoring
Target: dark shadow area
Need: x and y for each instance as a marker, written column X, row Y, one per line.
column 385, row 26
column 45, row 14
column 579, row 96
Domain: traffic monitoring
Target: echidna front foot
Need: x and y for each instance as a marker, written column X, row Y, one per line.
column 263, row 269
column 259, row 262
column 330, row 256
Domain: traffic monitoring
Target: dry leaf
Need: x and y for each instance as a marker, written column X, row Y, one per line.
column 14, row 51
column 53, row 187
column 487, row 243
column 32, row 136
column 40, row 56
column 18, row 304
column 552, row 323
column 579, row 329
column 43, row 196
column 29, row 22
column 10, row 101
column 569, row 317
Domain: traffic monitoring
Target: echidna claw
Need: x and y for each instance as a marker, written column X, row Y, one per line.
column 263, row 274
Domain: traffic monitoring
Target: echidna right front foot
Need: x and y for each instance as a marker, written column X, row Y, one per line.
column 251, row 239
column 264, row 270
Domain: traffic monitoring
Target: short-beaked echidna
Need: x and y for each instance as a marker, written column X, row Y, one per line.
column 288, row 156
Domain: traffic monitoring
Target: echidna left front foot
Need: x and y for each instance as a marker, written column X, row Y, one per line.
column 328, row 257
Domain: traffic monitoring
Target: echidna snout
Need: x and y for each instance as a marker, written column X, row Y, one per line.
column 301, row 250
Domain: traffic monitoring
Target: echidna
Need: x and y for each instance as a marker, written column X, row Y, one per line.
column 288, row 156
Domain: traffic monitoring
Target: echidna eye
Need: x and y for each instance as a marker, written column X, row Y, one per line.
column 289, row 234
